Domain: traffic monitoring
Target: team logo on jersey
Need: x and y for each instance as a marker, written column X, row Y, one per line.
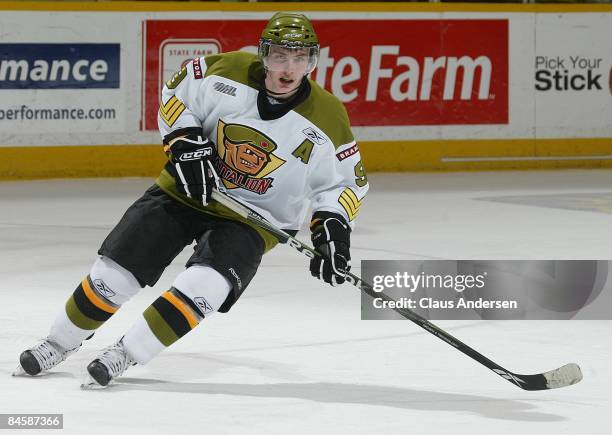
column 246, row 157
column 314, row 136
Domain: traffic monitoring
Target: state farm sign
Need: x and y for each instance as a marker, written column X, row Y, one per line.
column 387, row 72
column 408, row 84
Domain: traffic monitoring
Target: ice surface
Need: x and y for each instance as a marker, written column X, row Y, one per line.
column 293, row 355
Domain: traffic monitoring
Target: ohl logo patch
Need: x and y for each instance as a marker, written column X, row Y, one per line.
column 246, row 157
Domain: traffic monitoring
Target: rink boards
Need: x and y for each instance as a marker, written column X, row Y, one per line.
column 427, row 86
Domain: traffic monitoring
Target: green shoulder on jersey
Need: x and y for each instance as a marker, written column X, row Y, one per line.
column 326, row 111
column 238, row 66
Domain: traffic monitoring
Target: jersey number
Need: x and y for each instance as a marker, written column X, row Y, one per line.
column 177, row 78
column 360, row 173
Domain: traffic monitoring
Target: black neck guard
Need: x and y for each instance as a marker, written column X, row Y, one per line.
column 269, row 111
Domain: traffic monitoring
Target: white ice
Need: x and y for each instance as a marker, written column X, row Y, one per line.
column 293, row 356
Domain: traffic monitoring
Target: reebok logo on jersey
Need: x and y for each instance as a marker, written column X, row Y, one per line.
column 103, row 288
column 347, row 153
column 225, row 89
column 314, row 136
column 203, row 305
column 196, row 155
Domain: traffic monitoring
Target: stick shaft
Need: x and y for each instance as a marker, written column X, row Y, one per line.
column 528, row 382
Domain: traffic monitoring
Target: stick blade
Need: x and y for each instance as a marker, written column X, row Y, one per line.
column 565, row 376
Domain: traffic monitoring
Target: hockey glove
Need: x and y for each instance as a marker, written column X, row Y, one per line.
column 192, row 157
column 331, row 237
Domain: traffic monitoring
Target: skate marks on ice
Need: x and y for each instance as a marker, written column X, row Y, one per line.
column 15, row 373
column 351, row 340
column 284, row 381
column 357, row 394
column 598, row 202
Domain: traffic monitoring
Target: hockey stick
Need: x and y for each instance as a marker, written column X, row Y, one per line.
column 564, row 376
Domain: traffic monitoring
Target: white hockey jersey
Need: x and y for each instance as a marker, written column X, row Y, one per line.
column 280, row 166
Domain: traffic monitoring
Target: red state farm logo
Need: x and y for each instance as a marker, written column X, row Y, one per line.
column 398, row 72
column 418, row 72
column 415, row 84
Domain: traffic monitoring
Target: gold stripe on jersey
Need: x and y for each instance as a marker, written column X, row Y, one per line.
column 349, row 201
column 170, row 111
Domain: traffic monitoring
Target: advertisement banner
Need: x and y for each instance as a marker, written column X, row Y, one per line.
column 60, row 87
column 399, row 72
column 573, row 80
column 59, row 66
column 448, row 88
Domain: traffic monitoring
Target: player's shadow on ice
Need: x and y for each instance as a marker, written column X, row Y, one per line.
column 375, row 395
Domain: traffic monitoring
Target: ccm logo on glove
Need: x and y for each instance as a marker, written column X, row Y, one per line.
column 196, row 155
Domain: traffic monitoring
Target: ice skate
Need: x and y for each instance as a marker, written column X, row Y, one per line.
column 42, row 357
column 109, row 365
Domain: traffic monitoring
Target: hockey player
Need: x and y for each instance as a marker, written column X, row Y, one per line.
column 277, row 142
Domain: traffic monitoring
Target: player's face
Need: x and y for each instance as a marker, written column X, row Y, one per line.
column 286, row 69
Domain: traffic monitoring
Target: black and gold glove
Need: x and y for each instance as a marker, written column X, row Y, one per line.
column 331, row 238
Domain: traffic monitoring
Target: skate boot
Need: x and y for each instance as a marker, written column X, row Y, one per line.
column 42, row 357
column 113, row 361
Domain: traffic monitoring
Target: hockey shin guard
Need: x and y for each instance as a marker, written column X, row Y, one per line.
column 176, row 312
column 88, row 308
column 167, row 319
column 94, row 301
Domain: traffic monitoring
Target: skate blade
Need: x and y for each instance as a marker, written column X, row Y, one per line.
column 89, row 383
column 19, row 371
